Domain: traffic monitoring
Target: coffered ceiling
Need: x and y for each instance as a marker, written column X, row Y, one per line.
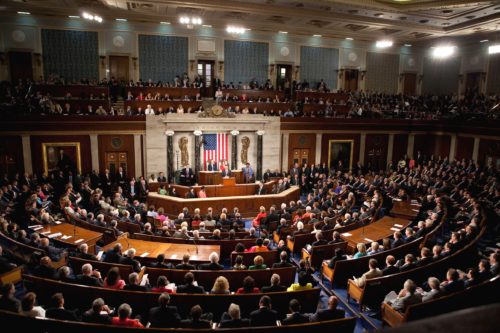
column 406, row 21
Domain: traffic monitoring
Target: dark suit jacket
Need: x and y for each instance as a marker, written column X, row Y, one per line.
column 390, row 270
column 190, row 323
column 211, row 267
column 135, row 287
column 88, row 280
column 260, row 191
column 112, row 256
column 164, row 317
column 10, row 304
column 263, row 317
column 295, row 318
column 185, row 266
column 61, row 314
column 328, row 314
column 190, row 289
column 271, row 289
column 136, row 266
column 91, row 317
column 235, row 323
column 282, row 264
column 212, row 167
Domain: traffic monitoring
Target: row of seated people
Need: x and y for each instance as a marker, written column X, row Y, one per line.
column 158, row 97
column 248, row 98
column 149, row 110
column 321, row 101
column 165, row 314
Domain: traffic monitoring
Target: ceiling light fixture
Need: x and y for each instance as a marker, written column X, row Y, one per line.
column 190, row 22
column 74, row 16
column 121, row 20
column 207, row 25
column 91, row 17
column 349, row 38
column 484, row 41
column 408, row 45
column 24, row 13
column 382, row 44
column 494, row 49
column 164, row 22
column 283, row 32
column 316, row 35
column 235, row 30
column 444, row 51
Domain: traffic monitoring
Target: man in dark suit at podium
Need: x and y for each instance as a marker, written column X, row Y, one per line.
column 187, row 175
column 212, row 166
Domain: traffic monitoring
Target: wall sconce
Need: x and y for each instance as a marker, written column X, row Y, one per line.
column 38, row 59
column 340, row 72
column 103, row 60
column 192, row 64
column 134, row 62
column 362, row 74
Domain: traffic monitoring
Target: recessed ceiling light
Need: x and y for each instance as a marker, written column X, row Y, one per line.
column 383, row 44
column 121, row 20
column 164, row 22
column 493, row 49
column 24, row 13
column 74, row 16
column 484, row 41
column 316, row 35
column 443, row 51
column 206, row 25
column 408, row 45
column 283, row 32
column 349, row 38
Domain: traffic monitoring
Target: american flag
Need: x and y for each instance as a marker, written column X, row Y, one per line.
column 215, row 147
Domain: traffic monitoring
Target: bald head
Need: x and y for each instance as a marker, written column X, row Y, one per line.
column 332, row 302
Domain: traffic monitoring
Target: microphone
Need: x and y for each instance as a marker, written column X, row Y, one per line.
column 195, row 245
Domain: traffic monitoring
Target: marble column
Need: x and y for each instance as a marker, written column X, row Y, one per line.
column 28, row 163
column 94, row 151
column 411, row 144
column 234, row 149
column 170, row 156
column 475, row 149
column 284, row 152
column 138, row 155
column 259, row 155
column 319, row 137
column 197, row 152
column 362, row 144
column 453, row 147
column 390, row 148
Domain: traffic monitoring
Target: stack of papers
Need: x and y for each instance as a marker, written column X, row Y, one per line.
column 397, row 199
column 398, row 225
column 369, row 240
column 45, row 232
column 58, row 222
column 57, row 234
column 66, row 237
column 79, row 241
column 395, row 229
column 145, row 254
column 99, row 255
column 346, row 234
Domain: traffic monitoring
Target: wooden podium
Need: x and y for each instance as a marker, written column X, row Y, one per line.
column 229, row 181
column 215, row 177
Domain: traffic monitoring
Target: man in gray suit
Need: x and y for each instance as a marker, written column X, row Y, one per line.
column 435, row 291
column 407, row 296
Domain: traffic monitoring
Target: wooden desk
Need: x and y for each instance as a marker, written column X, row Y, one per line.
column 404, row 209
column 215, row 177
column 172, row 251
column 248, row 204
column 373, row 232
column 90, row 237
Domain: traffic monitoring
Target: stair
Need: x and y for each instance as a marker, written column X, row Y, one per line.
column 207, row 103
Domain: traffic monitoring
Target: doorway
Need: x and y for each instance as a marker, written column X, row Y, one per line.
column 114, row 160
column 351, row 79
column 472, row 82
column 300, row 156
column 119, row 67
column 205, row 71
column 409, row 83
column 20, row 65
column 284, row 78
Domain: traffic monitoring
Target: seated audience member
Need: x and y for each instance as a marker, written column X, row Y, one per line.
column 302, row 284
column 64, row 275
column 494, row 259
column 195, row 320
column 374, row 248
column 129, row 260
column 98, row 314
column 84, row 253
column 258, row 247
column 295, row 317
column 390, row 267
column 238, row 263
column 57, row 310
column 435, row 291
column 409, row 263
column 425, row 257
column 453, row 282
column 29, row 307
column 123, row 318
column 275, row 285
column 114, row 255
column 329, row 313
column 134, row 284
column 188, row 287
column 339, row 255
column 185, row 263
column 372, row 273
column 161, row 262
column 283, row 261
column 305, row 266
column 248, row 286
column 113, row 279
column 258, row 263
column 336, row 238
column 406, row 297
column 89, row 277
column 213, row 265
column 398, row 239
column 164, row 316
column 484, row 270
column 361, row 251
column 233, row 318
column 264, row 316
column 45, row 269
column 161, row 286
column 221, row 286
column 8, row 301
column 319, row 239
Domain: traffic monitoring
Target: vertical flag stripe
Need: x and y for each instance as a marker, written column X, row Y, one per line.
column 215, row 147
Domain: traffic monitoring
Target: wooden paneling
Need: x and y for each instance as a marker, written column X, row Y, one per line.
column 340, row 136
column 488, row 148
column 376, row 151
column 119, row 67
column 400, row 147
column 117, row 143
column 36, row 150
column 409, row 83
column 302, row 141
column 431, row 144
column 11, row 153
column 465, row 145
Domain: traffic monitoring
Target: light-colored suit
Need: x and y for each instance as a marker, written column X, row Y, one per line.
column 371, row 274
column 430, row 295
column 401, row 303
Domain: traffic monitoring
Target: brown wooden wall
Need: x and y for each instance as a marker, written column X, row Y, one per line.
column 302, row 141
column 431, row 144
column 12, row 146
column 465, row 146
column 109, row 143
column 376, row 150
column 488, row 148
column 38, row 140
column 400, row 147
